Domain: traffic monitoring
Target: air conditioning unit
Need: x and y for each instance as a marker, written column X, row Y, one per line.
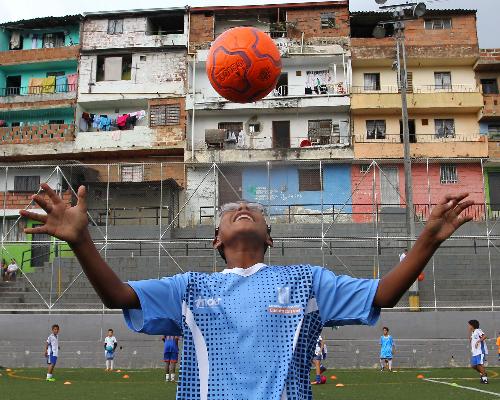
column 215, row 137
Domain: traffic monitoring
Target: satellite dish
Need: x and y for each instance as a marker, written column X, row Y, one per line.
column 379, row 32
column 419, row 10
column 380, row 1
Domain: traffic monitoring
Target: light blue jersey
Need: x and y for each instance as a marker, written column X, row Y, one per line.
column 386, row 345
column 250, row 333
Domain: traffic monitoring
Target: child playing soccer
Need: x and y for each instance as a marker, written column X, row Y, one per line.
column 250, row 330
column 498, row 345
column 479, row 349
column 319, row 355
column 52, row 351
column 386, row 349
column 110, row 344
column 170, row 356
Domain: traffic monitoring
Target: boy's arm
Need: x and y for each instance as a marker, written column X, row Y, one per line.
column 70, row 224
column 445, row 219
column 46, row 349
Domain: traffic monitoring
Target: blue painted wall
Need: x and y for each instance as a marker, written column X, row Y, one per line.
column 285, row 186
column 4, row 40
column 72, row 37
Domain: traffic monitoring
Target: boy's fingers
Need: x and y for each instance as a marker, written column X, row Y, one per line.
column 52, row 195
column 34, row 216
column 82, row 197
column 463, row 220
column 38, row 229
column 462, row 206
column 42, row 203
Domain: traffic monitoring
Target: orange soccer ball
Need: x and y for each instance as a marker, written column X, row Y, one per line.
column 243, row 65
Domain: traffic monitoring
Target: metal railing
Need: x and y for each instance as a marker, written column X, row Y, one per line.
column 417, row 138
column 388, row 89
column 37, row 90
column 131, row 215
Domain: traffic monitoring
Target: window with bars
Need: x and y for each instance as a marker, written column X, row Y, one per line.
column 115, row 26
column 232, row 129
column 323, row 132
column 490, row 86
column 132, row 173
column 309, row 180
column 442, row 80
column 164, row 115
column 54, row 39
column 375, row 129
column 444, row 128
column 364, row 168
column 26, row 183
column 372, row 81
column 14, row 229
column 448, row 174
column 438, row 23
column 327, row 20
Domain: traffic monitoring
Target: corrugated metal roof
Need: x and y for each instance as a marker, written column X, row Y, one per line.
column 137, row 11
column 43, row 22
column 264, row 6
column 429, row 12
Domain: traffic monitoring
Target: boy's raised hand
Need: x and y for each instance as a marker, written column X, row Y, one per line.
column 62, row 221
column 446, row 217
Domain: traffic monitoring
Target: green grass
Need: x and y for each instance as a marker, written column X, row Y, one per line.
column 95, row 384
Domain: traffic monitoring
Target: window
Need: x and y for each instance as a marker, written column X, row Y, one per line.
column 438, row 23
column 51, row 40
column 309, row 180
column 164, row 115
column 323, row 132
column 114, row 68
column 494, row 131
column 56, row 121
column 490, row 86
column 444, row 128
column 132, row 173
column 26, row 183
column 494, row 184
column 442, row 80
column 364, row 168
column 14, row 229
column 232, row 129
column 55, row 73
column 115, row 26
column 448, row 174
column 327, row 20
column 375, row 129
column 165, row 25
column 372, row 81
column 254, row 128
column 15, row 124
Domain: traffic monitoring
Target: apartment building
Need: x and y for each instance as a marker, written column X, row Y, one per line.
column 444, row 100
column 305, row 118
column 131, row 111
column 488, row 76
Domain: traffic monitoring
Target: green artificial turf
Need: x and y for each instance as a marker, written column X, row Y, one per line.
column 148, row 384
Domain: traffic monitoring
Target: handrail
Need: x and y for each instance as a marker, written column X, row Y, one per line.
column 384, row 89
column 37, row 90
column 419, row 137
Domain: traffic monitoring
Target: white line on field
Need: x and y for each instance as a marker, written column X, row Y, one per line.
column 460, row 386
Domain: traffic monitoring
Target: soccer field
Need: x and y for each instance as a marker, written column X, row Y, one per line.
column 95, row 384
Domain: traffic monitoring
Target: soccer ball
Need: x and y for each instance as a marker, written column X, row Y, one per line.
column 323, row 379
column 243, row 65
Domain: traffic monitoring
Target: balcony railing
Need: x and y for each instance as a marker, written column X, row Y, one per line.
column 277, row 34
column 417, row 89
column 333, row 89
column 37, row 90
column 377, row 137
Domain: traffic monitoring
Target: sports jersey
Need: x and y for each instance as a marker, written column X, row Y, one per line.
column 170, row 345
column 53, row 345
column 110, row 342
column 498, row 344
column 386, row 344
column 474, row 339
column 250, row 333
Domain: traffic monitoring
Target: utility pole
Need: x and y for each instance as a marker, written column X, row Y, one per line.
column 398, row 21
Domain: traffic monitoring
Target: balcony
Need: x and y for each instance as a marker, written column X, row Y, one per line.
column 29, row 94
column 35, row 134
column 285, row 96
column 491, row 109
column 391, row 146
column 456, row 98
column 12, row 57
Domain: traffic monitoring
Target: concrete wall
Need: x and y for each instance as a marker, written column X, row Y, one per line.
column 434, row 339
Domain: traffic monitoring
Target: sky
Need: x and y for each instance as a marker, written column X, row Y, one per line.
column 488, row 10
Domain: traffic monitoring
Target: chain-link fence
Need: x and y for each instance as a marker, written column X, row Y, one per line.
column 150, row 220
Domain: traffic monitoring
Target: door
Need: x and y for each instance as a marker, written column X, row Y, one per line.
column 40, row 252
column 230, row 183
column 13, row 84
column 412, row 131
column 281, row 134
column 282, row 85
column 389, row 186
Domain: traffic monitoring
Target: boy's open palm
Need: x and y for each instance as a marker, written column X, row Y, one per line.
column 446, row 217
column 61, row 220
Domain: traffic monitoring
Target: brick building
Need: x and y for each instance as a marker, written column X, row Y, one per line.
column 443, row 100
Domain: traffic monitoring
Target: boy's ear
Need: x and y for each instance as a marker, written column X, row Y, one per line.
column 216, row 243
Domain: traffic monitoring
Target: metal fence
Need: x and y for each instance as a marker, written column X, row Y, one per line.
column 150, row 220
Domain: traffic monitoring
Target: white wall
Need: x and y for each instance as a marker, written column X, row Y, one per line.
column 203, row 190
column 43, row 172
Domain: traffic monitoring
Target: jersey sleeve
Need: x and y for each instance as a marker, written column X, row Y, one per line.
column 343, row 300
column 161, row 305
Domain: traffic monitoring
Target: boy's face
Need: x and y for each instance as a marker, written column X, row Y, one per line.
column 242, row 220
column 110, row 333
column 385, row 332
column 55, row 330
column 471, row 328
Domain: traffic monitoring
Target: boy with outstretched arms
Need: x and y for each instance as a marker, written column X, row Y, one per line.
column 250, row 330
